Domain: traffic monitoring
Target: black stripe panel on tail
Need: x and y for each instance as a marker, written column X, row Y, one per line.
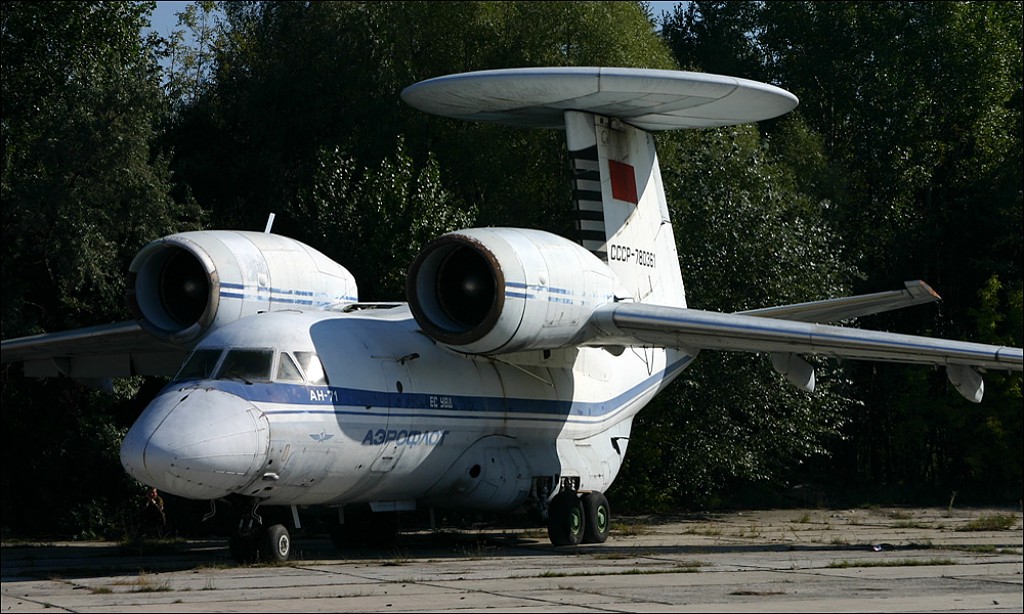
column 586, row 195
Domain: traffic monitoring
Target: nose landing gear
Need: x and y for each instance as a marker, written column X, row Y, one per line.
column 257, row 543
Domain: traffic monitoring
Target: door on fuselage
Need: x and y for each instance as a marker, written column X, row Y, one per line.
column 401, row 416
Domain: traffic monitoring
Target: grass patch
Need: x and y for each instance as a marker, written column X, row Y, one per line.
column 709, row 531
column 804, row 519
column 983, row 549
column 150, row 546
column 911, row 524
column 844, row 564
column 990, row 522
column 145, row 584
column 680, row 567
column 629, row 529
column 612, row 556
column 899, row 515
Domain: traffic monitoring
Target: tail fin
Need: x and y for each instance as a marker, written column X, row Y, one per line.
column 621, row 211
column 620, row 201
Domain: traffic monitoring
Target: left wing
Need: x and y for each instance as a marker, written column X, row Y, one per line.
column 110, row 350
column 694, row 330
column 914, row 292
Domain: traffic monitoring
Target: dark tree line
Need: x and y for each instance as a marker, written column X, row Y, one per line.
column 903, row 161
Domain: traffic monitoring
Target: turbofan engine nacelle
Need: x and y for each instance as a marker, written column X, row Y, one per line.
column 183, row 285
column 499, row 290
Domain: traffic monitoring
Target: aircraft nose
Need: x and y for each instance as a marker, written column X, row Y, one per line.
column 198, row 443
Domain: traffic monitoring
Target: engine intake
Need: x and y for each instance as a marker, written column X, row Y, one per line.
column 183, row 285
column 491, row 290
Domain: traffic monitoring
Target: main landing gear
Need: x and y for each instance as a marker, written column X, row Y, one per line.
column 578, row 518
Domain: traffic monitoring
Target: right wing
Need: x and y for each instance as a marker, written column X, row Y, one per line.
column 110, row 350
column 693, row 330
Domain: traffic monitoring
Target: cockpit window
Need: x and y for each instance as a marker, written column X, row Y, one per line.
column 313, row 368
column 247, row 365
column 287, row 371
column 199, row 365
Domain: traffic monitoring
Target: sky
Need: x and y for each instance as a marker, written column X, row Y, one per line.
column 165, row 15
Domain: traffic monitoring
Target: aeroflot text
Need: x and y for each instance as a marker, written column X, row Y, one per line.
column 404, row 438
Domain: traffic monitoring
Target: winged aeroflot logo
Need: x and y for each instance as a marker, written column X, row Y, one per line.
column 320, row 437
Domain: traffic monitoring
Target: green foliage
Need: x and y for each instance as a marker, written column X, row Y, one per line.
column 294, row 80
column 747, row 239
column 70, row 481
column 908, row 138
column 349, row 207
column 190, row 64
column 82, row 187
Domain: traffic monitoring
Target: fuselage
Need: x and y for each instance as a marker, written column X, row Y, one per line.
column 393, row 418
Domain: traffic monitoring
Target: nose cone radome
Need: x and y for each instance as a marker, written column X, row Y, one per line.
column 197, row 443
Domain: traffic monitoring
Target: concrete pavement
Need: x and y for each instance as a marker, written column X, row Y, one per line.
column 881, row 559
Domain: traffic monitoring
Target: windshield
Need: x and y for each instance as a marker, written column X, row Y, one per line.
column 199, row 365
column 253, row 365
column 247, row 365
column 312, row 367
column 287, row 371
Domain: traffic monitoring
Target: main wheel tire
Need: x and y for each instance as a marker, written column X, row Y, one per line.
column 277, row 544
column 565, row 519
column 598, row 517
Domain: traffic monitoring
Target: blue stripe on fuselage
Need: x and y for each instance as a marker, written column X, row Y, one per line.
column 307, row 399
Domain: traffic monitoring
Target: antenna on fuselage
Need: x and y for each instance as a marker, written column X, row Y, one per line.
column 270, row 224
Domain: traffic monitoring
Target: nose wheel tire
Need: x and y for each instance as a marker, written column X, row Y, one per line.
column 274, row 545
column 566, row 519
column 277, row 544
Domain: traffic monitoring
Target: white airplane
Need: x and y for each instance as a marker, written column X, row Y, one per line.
column 511, row 377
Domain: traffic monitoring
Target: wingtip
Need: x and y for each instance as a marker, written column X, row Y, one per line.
column 919, row 288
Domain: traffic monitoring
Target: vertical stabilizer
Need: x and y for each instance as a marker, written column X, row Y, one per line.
column 620, row 206
column 607, row 114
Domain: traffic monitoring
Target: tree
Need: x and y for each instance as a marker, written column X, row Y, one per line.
column 81, row 182
column 747, row 239
column 294, row 80
column 83, row 187
column 909, row 128
column 351, row 206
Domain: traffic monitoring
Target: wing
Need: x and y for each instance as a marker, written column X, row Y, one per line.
column 832, row 310
column 694, row 330
column 111, row 350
